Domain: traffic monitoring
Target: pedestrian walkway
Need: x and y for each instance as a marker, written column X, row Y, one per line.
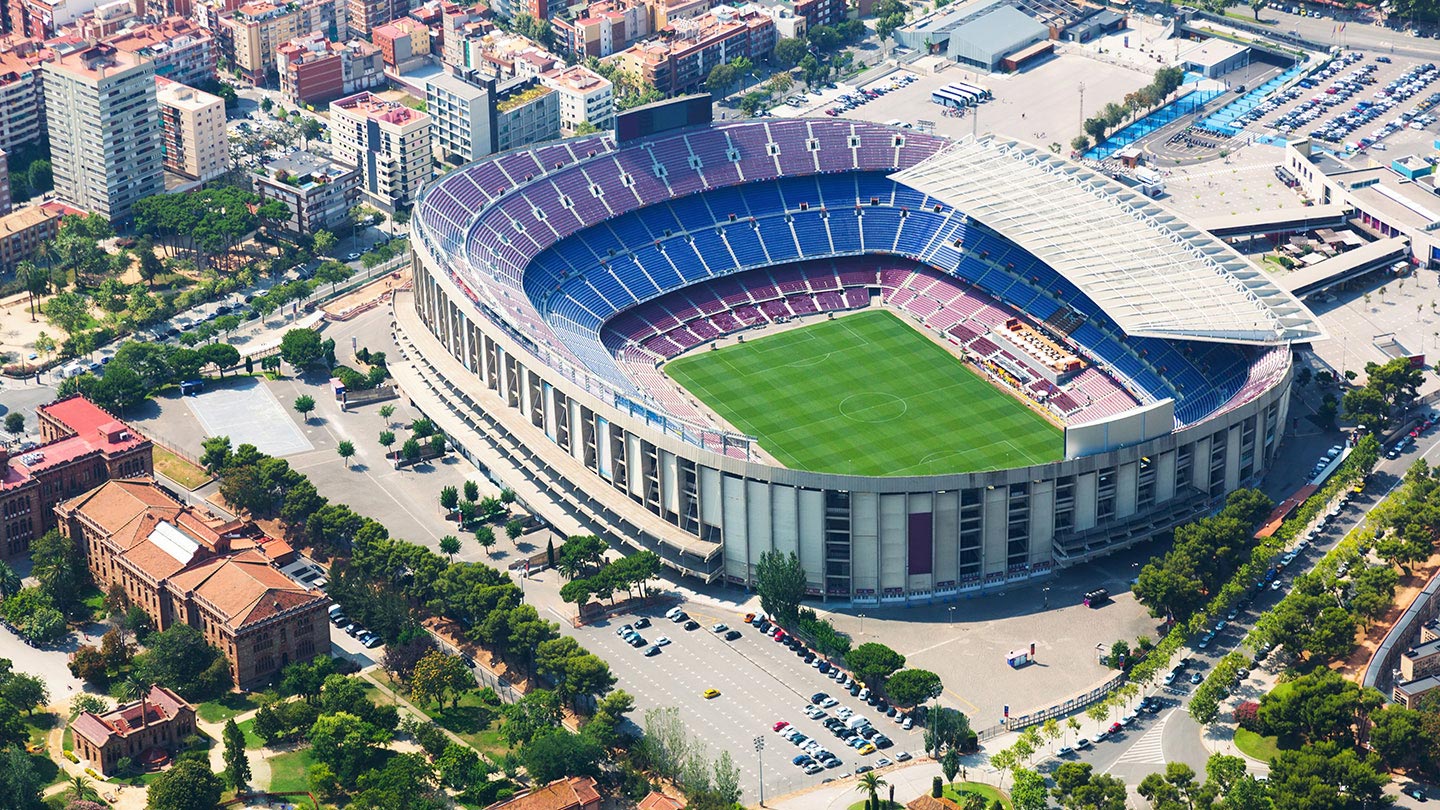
column 1149, row 749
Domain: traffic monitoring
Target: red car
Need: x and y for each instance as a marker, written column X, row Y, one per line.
column 1115, row 728
column 779, row 725
column 779, row 635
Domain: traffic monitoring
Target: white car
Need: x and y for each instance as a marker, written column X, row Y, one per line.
column 672, row 613
column 662, row 641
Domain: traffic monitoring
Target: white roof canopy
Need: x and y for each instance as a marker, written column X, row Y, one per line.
column 1154, row 274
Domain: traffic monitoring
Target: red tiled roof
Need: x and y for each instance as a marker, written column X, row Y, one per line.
column 659, row 801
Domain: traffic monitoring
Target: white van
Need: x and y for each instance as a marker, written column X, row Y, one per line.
column 856, row 722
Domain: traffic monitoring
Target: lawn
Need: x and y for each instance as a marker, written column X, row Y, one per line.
column 231, row 704
column 867, row 395
column 252, row 740
column 36, row 727
column 987, row 792
column 92, row 598
column 287, row 772
column 1255, row 746
column 471, row 720
column 179, row 470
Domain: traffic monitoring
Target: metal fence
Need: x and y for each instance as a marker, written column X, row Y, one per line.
column 1063, row 709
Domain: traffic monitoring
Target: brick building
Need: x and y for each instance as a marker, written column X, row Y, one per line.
column 128, row 731
column 401, row 40
column 314, row 70
column 180, row 50
column 218, row 576
column 82, row 447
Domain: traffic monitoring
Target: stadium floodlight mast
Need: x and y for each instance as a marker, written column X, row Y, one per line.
column 760, row 757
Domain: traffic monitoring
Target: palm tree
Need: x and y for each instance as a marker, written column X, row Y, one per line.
column 870, row 783
column 971, row 801
column 35, row 281
column 136, row 689
column 80, row 789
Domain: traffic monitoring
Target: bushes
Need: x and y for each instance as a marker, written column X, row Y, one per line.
column 1247, row 715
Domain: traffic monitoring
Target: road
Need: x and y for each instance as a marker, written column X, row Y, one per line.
column 1171, row 735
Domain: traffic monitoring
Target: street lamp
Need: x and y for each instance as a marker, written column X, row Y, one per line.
column 862, row 623
column 1046, row 592
column 952, row 614
column 760, row 756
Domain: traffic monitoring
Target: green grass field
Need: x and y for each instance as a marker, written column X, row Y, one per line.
column 867, row 395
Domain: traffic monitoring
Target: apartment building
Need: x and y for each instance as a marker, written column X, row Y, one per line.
column 459, row 25
column 181, row 565
column 388, row 142
column 254, row 31
column 680, row 62
column 5, row 202
column 180, row 50
column 367, row 15
column 602, row 28
column 401, row 41
column 82, row 446
column 22, row 232
column 43, row 19
column 193, row 124
column 503, row 56
column 105, row 133
column 475, row 116
column 585, row 97
column 23, row 101
column 314, row 70
column 318, row 191
column 107, row 20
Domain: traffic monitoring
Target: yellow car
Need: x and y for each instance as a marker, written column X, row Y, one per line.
column 710, row 693
column 867, row 748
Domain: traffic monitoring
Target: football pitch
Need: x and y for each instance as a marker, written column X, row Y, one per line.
column 866, row 395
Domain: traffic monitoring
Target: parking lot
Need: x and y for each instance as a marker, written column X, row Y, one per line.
column 759, row 682
column 1355, row 102
column 1042, row 104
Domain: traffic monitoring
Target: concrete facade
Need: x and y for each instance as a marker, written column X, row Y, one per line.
column 194, row 125
column 106, row 142
column 318, row 192
column 388, row 142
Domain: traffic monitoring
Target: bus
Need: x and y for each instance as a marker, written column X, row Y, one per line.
column 950, row 96
column 980, row 92
column 1097, row 597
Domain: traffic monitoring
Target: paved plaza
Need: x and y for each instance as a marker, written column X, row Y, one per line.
column 246, row 411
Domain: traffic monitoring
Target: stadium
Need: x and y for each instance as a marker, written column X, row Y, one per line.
column 929, row 367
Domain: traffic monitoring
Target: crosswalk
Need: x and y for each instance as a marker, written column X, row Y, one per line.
column 1149, row 749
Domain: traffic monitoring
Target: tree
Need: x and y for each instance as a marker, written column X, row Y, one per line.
column 15, row 423
column 437, row 676
column 302, row 348
column 189, row 785
column 1325, row 775
column 387, row 411
column 1028, row 791
column 450, row 546
column 35, row 280
column 1080, row 144
column 68, row 311
column 237, row 765
column 721, row 77
column 449, row 498
column 410, row 450
column 780, row 580
column 514, row 527
column 180, row 658
column 911, row 687
column 20, row 784
column 24, row 691
column 304, row 404
column 485, row 536
column 387, row 438
column 1399, row 736
column 950, row 764
column 557, row 753
column 79, row 788
column 10, row 583
column 58, row 566
column 788, row 52
column 346, row 743
column 870, row 784
column 346, row 449
column 872, row 663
